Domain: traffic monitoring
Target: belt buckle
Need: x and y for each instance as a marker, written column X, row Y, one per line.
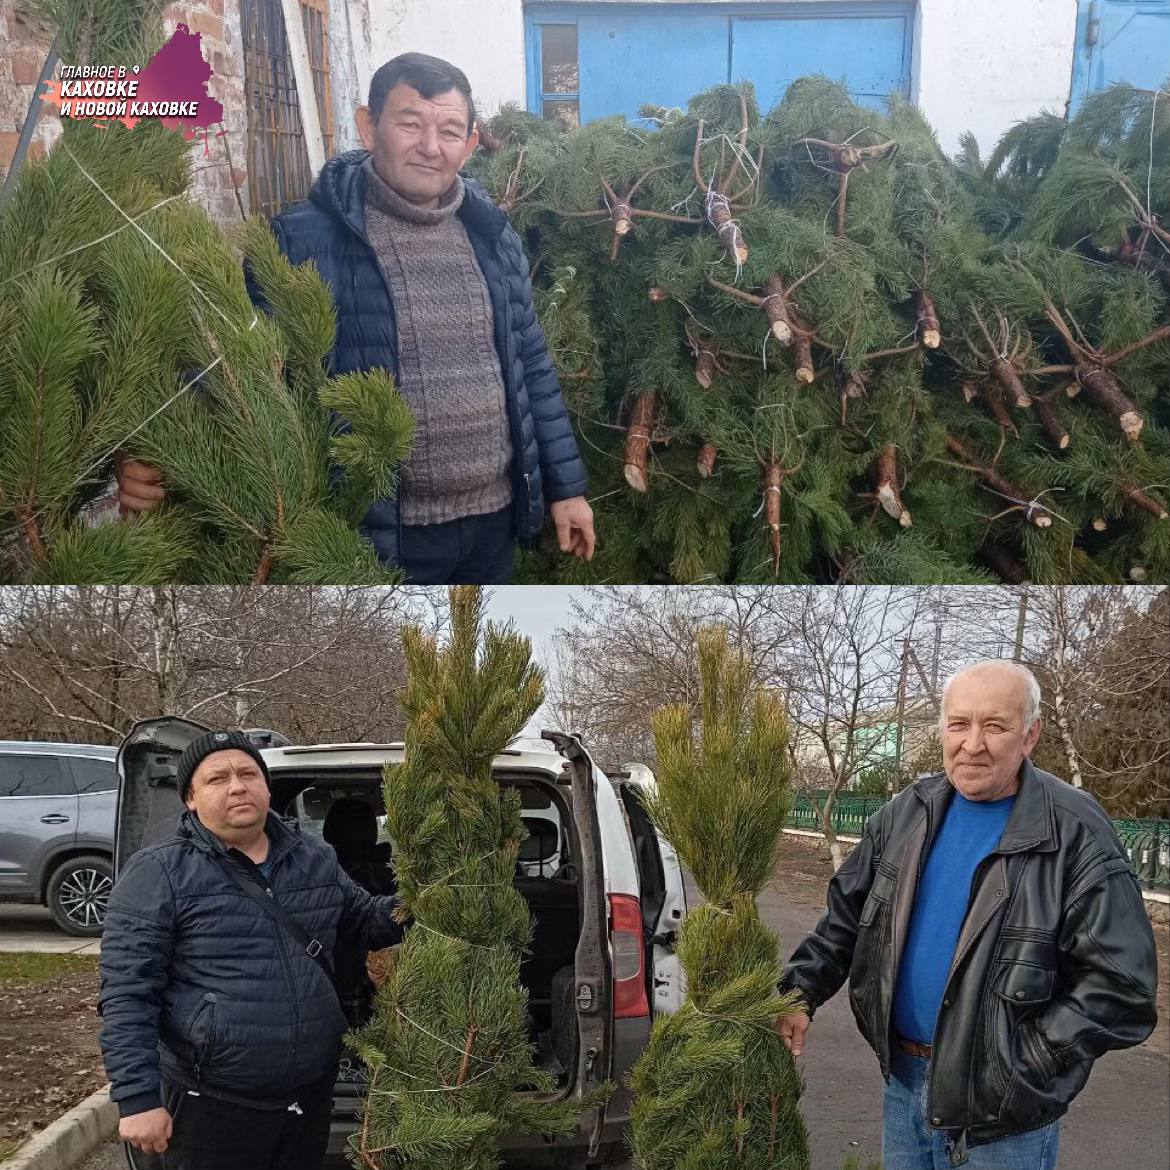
column 313, row 949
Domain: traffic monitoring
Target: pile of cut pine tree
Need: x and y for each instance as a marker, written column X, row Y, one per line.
column 807, row 346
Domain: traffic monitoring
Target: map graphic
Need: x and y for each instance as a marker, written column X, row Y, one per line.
column 176, row 73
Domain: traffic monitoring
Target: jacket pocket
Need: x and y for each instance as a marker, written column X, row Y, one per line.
column 865, row 972
column 1015, row 1055
column 200, row 1032
column 881, row 893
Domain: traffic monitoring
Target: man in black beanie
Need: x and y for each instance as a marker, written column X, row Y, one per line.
column 221, row 1027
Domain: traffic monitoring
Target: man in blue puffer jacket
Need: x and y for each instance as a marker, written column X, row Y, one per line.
column 221, row 1032
column 431, row 283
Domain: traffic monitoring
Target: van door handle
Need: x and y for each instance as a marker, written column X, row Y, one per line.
column 54, row 819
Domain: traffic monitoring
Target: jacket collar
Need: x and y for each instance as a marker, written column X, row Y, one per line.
column 1032, row 825
column 283, row 835
column 340, row 189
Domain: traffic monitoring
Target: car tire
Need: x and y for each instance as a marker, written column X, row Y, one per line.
column 78, row 892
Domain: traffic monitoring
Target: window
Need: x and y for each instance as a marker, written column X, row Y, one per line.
column 560, row 74
column 33, row 776
column 91, row 775
column 278, row 165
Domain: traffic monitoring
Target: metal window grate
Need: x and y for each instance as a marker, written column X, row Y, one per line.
column 278, row 165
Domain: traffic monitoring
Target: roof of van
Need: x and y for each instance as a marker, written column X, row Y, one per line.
column 43, row 747
column 525, row 753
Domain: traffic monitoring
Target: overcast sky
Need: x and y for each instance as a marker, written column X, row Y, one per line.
column 536, row 610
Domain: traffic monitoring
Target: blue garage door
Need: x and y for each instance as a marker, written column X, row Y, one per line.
column 1121, row 40
column 591, row 61
column 868, row 52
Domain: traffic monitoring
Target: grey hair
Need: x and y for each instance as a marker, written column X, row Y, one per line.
column 1032, row 687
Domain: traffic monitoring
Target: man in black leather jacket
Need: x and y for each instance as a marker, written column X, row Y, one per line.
column 994, row 939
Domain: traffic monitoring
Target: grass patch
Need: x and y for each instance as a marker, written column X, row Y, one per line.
column 8, row 1148
column 22, row 969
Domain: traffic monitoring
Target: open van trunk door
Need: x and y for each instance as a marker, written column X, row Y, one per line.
column 664, row 900
column 593, row 982
column 148, row 797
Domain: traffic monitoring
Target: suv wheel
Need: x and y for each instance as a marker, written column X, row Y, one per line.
column 78, row 892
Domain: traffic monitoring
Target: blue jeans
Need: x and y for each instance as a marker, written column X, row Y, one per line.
column 908, row 1142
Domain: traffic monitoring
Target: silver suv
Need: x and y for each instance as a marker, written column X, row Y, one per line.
column 57, row 809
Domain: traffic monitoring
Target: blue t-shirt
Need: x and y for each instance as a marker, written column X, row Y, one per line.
column 970, row 831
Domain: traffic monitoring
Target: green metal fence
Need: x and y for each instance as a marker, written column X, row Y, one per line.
column 1146, row 842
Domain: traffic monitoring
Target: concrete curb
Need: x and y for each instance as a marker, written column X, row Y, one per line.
column 70, row 1138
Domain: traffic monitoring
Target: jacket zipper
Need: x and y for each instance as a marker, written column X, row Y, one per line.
column 206, row 1006
column 976, row 883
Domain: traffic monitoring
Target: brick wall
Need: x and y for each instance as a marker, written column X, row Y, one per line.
column 218, row 23
column 25, row 40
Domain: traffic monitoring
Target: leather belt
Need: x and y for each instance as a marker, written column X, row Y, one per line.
column 922, row 1051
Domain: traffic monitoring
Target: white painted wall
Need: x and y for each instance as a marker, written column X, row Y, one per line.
column 485, row 38
column 979, row 65
column 983, row 66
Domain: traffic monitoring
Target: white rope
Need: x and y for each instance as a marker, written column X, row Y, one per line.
column 131, row 221
column 91, row 244
column 146, row 236
column 460, row 1048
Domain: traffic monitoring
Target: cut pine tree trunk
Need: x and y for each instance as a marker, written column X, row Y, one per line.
column 888, row 493
column 638, row 433
column 929, row 329
column 721, row 218
column 1004, row 488
column 1146, row 503
column 1106, row 392
column 705, row 367
column 775, row 306
column 802, row 354
column 1009, row 378
column 772, row 480
column 1053, row 428
column 705, row 460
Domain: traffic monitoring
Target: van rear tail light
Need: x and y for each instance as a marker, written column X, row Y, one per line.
column 628, row 947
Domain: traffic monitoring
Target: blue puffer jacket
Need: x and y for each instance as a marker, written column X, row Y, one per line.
column 200, row 985
column 329, row 229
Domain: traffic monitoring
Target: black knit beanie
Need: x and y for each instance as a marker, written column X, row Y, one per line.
column 215, row 741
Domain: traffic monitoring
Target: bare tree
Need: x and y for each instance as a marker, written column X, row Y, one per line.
column 631, row 650
column 1102, row 656
column 863, row 669
column 840, row 667
column 835, row 652
column 317, row 664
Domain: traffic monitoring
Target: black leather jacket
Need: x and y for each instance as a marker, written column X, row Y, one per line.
column 1055, row 963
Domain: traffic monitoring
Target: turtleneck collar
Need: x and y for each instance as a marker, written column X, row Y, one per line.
column 381, row 195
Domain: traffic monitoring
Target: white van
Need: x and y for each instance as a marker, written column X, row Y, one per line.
column 605, row 892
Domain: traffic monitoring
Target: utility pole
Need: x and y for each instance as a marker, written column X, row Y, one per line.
column 1021, row 623
column 902, row 672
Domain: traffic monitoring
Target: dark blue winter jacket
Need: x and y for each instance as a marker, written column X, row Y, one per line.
column 200, row 985
column 329, row 229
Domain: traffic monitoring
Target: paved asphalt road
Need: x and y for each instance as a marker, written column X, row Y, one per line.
column 1121, row 1120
